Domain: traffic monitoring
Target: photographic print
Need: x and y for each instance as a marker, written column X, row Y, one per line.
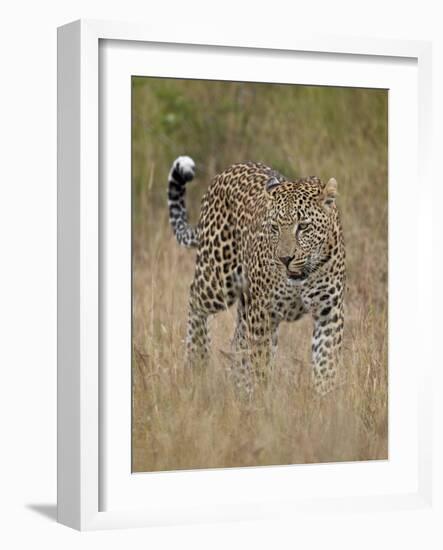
column 259, row 274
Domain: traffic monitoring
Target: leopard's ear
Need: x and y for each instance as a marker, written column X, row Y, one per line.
column 329, row 194
column 272, row 183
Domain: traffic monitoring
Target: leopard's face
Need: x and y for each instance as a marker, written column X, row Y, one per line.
column 300, row 221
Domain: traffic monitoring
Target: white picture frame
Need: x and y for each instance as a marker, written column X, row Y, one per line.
column 81, row 445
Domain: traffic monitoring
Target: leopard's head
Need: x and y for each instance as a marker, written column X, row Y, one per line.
column 299, row 221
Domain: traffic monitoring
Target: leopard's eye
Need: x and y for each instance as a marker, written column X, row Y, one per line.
column 303, row 225
column 274, row 227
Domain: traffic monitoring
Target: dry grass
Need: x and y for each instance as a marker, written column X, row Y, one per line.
column 192, row 419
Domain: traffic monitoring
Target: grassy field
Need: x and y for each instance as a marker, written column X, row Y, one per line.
column 184, row 419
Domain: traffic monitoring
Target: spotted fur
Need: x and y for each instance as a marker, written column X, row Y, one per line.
column 274, row 246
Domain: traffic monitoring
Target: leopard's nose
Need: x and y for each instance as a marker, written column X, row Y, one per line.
column 286, row 260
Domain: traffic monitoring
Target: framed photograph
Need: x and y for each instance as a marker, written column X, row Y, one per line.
column 240, row 226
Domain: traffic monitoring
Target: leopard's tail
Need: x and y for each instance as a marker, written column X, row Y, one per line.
column 182, row 171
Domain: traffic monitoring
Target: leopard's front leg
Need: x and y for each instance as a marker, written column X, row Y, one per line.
column 253, row 336
column 259, row 337
column 327, row 342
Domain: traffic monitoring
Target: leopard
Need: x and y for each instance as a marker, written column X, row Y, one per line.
column 275, row 247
